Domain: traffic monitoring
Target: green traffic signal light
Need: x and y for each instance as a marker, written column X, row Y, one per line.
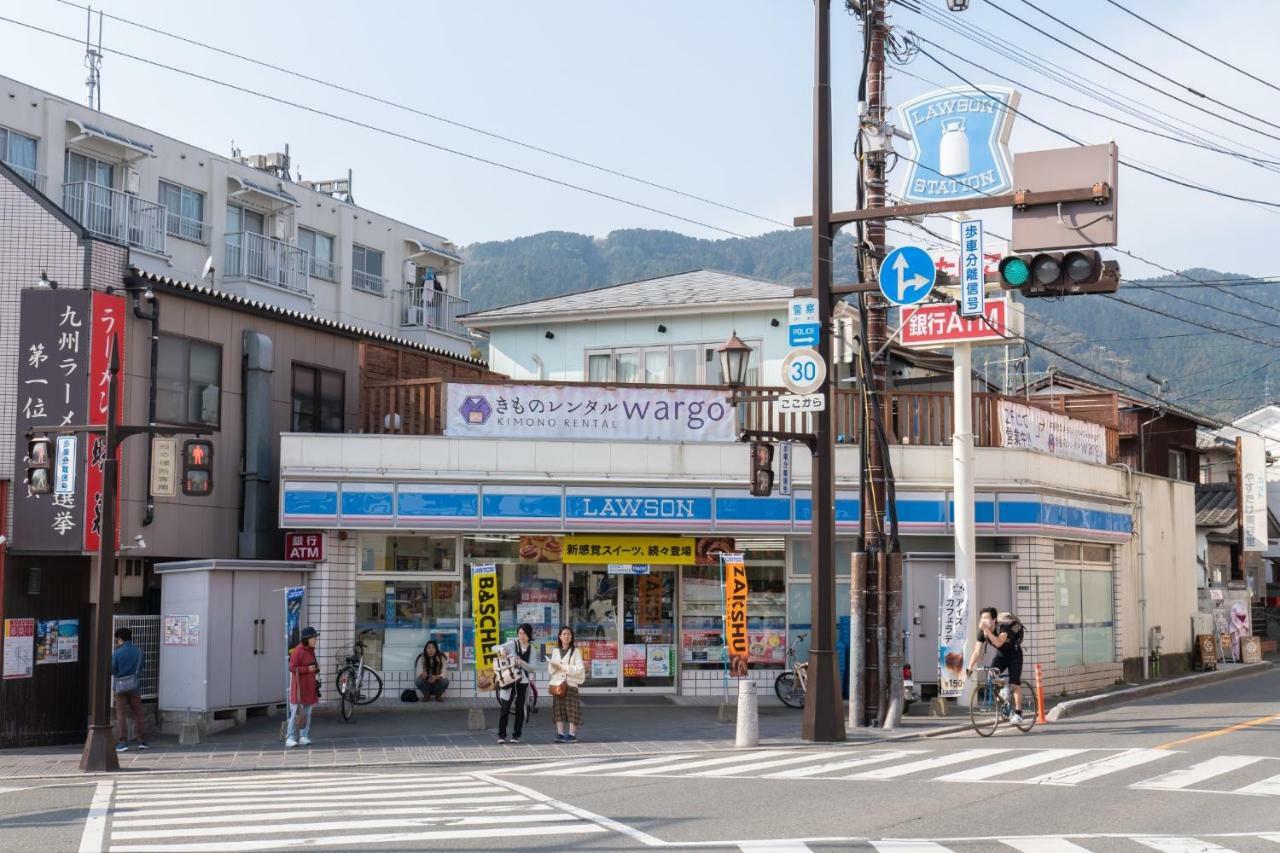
column 1014, row 271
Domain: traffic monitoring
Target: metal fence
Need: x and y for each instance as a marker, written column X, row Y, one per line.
column 146, row 636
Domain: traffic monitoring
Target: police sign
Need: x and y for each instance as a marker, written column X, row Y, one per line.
column 960, row 138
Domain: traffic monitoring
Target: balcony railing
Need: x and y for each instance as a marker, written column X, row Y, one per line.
column 31, row 176
column 187, row 228
column 432, row 309
column 368, row 282
column 328, row 270
column 116, row 216
column 258, row 258
column 402, row 407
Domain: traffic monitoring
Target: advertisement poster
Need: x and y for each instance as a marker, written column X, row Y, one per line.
column 484, row 607
column 541, row 549
column 708, row 549
column 19, row 647
column 768, row 647
column 292, row 618
column 1049, row 432
column 649, row 600
column 658, row 663
column 604, row 549
column 953, row 627
column 181, row 631
column 534, row 614
column 57, row 640
column 635, row 659
column 704, row 642
column 735, row 614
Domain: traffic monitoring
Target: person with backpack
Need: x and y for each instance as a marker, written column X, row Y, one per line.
column 513, row 695
column 1003, row 632
column 126, row 684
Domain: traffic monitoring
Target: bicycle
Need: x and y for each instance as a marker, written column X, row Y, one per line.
column 792, row 685
column 992, row 703
column 357, row 683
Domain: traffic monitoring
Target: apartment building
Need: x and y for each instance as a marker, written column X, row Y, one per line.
column 241, row 225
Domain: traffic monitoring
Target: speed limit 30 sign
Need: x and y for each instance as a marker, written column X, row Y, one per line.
column 803, row 371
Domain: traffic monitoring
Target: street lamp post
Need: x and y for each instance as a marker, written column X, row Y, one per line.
column 735, row 357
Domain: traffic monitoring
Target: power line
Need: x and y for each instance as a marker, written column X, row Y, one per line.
column 433, row 116
column 1196, row 48
column 385, row 131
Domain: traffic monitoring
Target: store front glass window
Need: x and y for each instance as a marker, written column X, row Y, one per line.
column 702, row 608
column 1084, row 613
column 408, row 554
column 529, row 586
column 801, row 549
column 402, row 615
column 799, row 604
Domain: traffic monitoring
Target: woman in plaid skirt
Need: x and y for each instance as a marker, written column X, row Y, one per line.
column 566, row 668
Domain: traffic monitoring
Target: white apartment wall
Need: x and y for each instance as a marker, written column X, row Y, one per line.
column 1167, row 540
column 44, row 116
column 512, row 348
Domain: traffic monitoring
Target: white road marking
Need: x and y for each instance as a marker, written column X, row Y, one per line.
column 543, row 765
column 1188, row 776
column 332, row 828
column 269, row 804
column 609, row 766
column 705, row 762
column 1044, row 845
column 96, row 822
column 1175, row 844
column 296, row 783
column 847, row 764
column 202, row 779
column 515, row 803
column 926, row 764
column 734, row 770
column 1101, row 767
column 998, row 769
column 774, row 847
column 1270, row 787
column 290, row 797
column 606, row 823
column 350, row 841
column 904, row 845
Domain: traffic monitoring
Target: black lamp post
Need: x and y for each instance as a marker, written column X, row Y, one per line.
column 735, row 357
column 957, row 5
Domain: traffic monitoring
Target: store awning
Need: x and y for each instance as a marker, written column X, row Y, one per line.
column 273, row 194
column 91, row 131
column 417, row 247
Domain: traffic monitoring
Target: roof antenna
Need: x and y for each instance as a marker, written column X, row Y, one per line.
column 93, row 61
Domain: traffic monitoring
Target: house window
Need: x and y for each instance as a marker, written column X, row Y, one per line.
column 1084, row 616
column 681, row 364
column 1177, row 465
column 318, row 400
column 185, row 208
column 320, row 248
column 189, row 382
column 366, row 269
column 82, row 168
column 19, row 151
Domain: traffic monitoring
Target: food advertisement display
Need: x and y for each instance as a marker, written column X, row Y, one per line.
column 541, row 549
column 635, row 659
column 707, row 550
column 658, row 660
column 768, row 646
column 702, row 641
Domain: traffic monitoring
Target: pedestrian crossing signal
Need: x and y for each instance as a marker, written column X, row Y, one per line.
column 197, row 467
column 40, row 465
column 761, row 469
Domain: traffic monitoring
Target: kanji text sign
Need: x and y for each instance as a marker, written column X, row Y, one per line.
column 941, row 325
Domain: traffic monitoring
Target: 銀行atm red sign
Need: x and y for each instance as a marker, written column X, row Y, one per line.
column 304, row 547
column 940, row 325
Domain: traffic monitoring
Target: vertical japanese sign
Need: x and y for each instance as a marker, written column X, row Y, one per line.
column 953, row 628
column 292, row 627
column 53, row 374
column 972, row 269
column 108, row 325
column 735, row 614
column 1253, row 491
column 64, row 466
column 484, row 612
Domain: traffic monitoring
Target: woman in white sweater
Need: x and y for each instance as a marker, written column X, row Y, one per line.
column 567, row 674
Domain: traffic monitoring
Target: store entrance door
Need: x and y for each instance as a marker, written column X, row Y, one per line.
column 625, row 627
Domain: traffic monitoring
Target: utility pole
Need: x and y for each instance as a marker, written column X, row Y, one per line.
column 823, row 720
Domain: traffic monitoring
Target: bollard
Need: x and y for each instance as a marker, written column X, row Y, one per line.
column 1040, row 717
column 748, row 717
column 475, row 720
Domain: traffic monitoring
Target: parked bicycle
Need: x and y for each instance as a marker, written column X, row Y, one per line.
column 992, row 703
column 357, row 683
column 792, row 685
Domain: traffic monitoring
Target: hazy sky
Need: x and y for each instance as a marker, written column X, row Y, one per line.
column 710, row 96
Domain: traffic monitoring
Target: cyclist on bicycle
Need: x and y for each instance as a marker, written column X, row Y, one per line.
column 1002, row 632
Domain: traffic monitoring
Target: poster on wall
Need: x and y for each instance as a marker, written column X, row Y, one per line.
column 735, row 614
column 707, row 549
column 541, row 549
column 635, row 659
column 484, row 607
column 180, row 630
column 19, row 648
column 57, row 640
column 658, row 660
column 1049, row 432
column 769, row 647
column 953, row 627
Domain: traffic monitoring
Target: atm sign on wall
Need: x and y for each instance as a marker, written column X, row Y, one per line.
column 304, row 547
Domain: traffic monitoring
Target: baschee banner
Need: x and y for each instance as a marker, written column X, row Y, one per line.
column 735, row 614
column 1049, row 432
column 484, row 610
column 581, row 412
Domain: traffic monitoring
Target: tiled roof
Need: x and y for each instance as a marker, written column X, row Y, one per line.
column 697, row 287
column 1215, row 504
column 299, row 317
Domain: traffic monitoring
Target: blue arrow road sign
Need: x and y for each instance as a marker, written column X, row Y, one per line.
column 907, row 275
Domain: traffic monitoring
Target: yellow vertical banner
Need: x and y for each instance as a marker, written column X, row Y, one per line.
column 735, row 614
column 484, row 614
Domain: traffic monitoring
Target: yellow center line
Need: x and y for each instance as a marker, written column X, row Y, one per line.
column 1224, row 731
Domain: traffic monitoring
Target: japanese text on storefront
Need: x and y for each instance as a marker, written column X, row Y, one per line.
column 660, row 550
column 484, row 610
column 735, row 614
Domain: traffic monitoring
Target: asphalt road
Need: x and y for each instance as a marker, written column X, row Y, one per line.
column 1195, row 770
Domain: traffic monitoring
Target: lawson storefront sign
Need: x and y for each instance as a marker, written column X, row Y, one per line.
column 477, row 410
column 521, row 509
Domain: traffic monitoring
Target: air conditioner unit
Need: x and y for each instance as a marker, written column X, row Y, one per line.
column 132, row 181
column 280, row 225
column 413, row 315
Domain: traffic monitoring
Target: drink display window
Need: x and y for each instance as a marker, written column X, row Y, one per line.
column 702, row 609
column 421, row 554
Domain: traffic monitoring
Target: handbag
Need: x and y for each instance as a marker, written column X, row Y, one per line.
column 505, row 672
column 560, row 690
column 125, row 683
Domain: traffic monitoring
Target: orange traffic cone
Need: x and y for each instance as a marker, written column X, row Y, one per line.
column 1040, row 717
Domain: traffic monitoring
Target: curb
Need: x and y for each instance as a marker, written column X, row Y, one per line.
column 1093, row 704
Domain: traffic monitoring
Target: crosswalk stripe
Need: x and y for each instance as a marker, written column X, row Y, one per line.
column 737, row 769
column 847, row 764
column 909, row 846
column 327, row 785
column 1176, row 844
column 610, row 766
column 349, row 841
column 288, row 796
column 998, row 769
column 1101, row 767
column 925, row 764
column 240, row 815
column 774, row 847
column 1188, row 776
column 706, row 762
column 268, row 804
column 544, row 765
column 330, row 826
column 1044, row 845
column 198, row 780
column 1269, row 786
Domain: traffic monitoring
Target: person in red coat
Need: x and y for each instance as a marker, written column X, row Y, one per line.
column 304, row 688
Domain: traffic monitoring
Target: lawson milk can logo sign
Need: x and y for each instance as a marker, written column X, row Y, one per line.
column 960, row 138
column 588, row 412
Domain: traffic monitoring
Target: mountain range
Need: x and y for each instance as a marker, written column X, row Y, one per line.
column 1207, row 347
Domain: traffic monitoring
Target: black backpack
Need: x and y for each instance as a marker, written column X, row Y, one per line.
column 1015, row 631
column 409, row 695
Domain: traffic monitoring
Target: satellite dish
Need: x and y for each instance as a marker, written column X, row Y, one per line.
column 207, row 272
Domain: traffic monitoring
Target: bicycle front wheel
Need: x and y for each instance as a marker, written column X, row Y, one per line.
column 1028, row 712
column 984, row 712
column 370, row 687
column 789, row 689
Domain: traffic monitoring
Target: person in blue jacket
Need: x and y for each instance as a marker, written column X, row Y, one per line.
column 126, row 684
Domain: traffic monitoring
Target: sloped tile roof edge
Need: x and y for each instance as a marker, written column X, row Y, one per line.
column 298, row 317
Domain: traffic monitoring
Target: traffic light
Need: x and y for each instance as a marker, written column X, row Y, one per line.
column 761, row 469
column 197, row 467
column 40, row 465
column 1059, row 274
